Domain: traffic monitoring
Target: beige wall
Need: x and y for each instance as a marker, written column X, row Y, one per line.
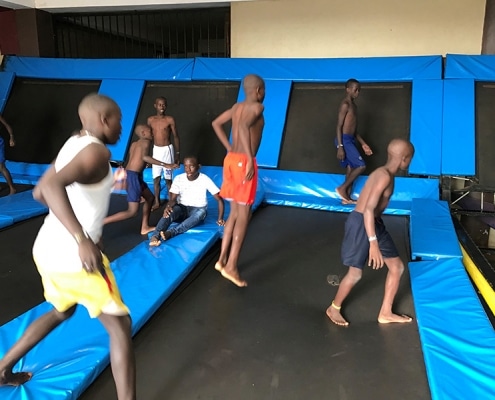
column 355, row 28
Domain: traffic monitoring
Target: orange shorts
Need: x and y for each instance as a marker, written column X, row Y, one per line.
column 234, row 185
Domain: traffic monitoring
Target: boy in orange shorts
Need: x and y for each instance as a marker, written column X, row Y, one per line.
column 240, row 172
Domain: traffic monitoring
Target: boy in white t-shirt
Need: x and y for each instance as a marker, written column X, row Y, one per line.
column 188, row 203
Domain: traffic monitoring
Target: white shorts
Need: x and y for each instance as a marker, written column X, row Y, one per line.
column 164, row 154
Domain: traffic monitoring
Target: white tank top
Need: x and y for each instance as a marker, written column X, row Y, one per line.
column 55, row 249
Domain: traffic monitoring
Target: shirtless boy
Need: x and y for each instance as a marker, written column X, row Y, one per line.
column 76, row 189
column 367, row 238
column 3, row 169
column 240, row 171
column 347, row 152
column 164, row 131
column 136, row 187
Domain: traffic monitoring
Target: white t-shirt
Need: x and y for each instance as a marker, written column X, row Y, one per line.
column 54, row 248
column 193, row 193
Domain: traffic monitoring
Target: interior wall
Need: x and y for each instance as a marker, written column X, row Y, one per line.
column 355, row 28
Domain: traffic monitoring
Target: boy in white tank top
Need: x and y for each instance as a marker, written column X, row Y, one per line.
column 74, row 271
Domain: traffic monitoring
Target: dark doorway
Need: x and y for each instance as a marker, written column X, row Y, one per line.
column 485, row 133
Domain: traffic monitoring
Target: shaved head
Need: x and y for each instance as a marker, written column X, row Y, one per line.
column 96, row 104
column 253, row 81
column 400, row 148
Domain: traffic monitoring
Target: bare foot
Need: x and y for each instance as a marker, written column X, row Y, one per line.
column 218, row 266
column 394, row 318
column 147, row 230
column 13, row 190
column 155, row 241
column 15, row 378
column 155, row 206
column 165, row 235
column 235, row 279
column 345, row 198
column 333, row 312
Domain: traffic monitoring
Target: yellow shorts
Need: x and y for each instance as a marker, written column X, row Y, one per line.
column 95, row 292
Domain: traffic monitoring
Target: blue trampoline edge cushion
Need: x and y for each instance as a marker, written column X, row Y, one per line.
column 457, row 337
column 432, row 231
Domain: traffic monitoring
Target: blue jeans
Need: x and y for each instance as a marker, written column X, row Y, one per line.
column 188, row 217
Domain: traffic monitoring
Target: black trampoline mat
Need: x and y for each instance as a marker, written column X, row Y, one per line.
column 43, row 115
column 384, row 113
column 485, row 133
column 272, row 340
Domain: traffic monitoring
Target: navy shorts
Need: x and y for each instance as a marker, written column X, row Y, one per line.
column 356, row 246
column 353, row 157
column 135, row 186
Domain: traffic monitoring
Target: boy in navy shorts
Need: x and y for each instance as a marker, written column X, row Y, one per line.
column 366, row 238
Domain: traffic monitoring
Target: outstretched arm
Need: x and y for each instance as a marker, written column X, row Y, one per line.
column 144, row 148
column 367, row 149
column 217, row 125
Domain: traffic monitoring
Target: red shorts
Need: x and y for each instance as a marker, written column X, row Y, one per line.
column 235, row 187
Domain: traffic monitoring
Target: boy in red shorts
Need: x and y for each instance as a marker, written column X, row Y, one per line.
column 240, row 172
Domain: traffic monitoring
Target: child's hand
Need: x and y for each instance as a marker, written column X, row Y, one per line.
column 220, row 222
column 367, row 150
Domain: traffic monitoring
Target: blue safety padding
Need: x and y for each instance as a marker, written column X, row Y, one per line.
column 432, row 232
column 6, row 221
column 97, row 69
column 21, row 206
column 317, row 190
column 276, row 104
column 372, row 69
column 457, row 338
column 128, row 101
column 6, row 82
column 458, row 136
column 426, row 126
column 25, row 173
column 477, row 67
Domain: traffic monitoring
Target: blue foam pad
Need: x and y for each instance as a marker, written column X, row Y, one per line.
column 432, row 231
column 21, row 206
column 315, row 190
column 459, row 128
column 25, row 173
column 128, row 101
column 461, row 66
column 371, row 69
column 426, row 126
column 6, row 82
column 457, row 337
column 6, row 221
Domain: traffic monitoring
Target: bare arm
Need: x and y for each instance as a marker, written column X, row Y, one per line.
column 344, row 108
column 9, row 130
column 171, row 203
column 378, row 183
column 176, row 141
column 144, row 148
column 221, row 208
column 217, row 125
column 89, row 166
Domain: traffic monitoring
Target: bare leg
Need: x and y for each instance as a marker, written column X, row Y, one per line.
column 31, row 337
column 395, row 270
column 6, row 173
column 121, row 354
column 156, row 189
column 169, row 185
column 230, row 271
column 345, row 189
column 131, row 211
column 352, row 277
column 227, row 237
column 148, row 201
